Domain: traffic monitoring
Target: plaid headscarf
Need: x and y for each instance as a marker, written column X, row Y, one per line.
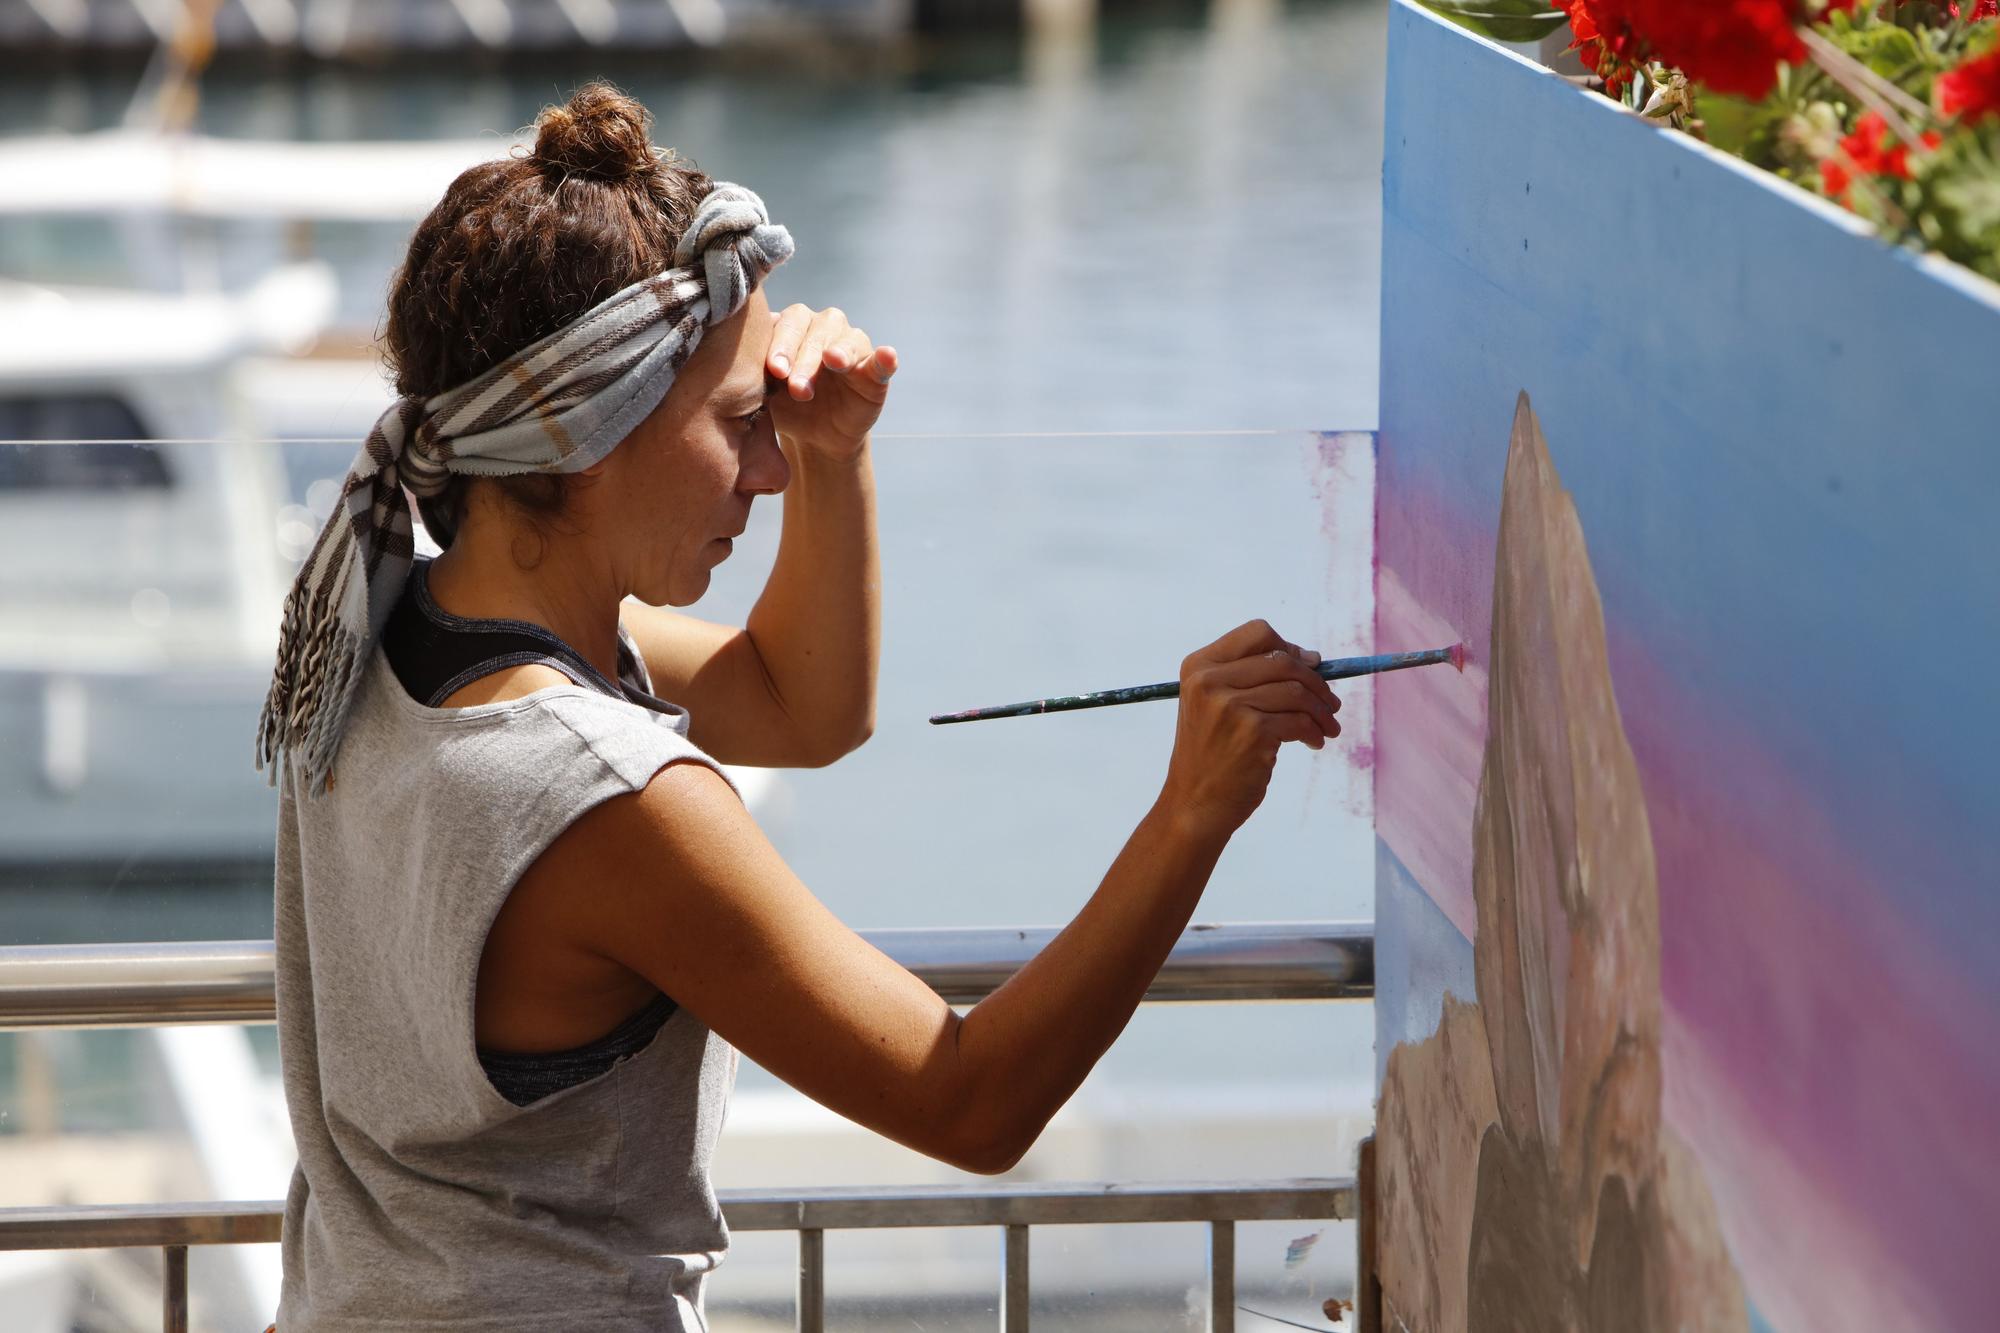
column 556, row 406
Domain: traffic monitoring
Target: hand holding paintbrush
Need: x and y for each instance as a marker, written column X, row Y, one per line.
column 1241, row 698
column 1340, row 668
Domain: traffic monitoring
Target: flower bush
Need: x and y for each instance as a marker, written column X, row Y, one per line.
column 1889, row 109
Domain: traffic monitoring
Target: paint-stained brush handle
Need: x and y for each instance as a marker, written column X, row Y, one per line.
column 1339, row 668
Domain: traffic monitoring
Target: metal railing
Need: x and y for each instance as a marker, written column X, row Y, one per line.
column 812, row 1213
column 232, row 981
column 146, row 985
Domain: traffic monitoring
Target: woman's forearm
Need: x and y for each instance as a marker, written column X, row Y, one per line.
column 818, row 623
column 1025, row 1048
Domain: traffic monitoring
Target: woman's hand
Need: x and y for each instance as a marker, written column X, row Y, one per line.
column 1242, row 697
column 836, row 379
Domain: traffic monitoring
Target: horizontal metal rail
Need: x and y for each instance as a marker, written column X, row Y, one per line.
column 119, row 1226
column 172, row 1227
column 232, row 981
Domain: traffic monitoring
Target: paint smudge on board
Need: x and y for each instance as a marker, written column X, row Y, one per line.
column 1528, row 1181
column 1340, row 469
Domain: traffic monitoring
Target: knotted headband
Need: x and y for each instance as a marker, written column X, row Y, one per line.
column 558, row 405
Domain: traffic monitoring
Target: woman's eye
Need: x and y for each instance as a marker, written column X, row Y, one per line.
column 753, row 418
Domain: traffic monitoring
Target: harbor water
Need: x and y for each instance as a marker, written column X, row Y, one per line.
column 1133, row 285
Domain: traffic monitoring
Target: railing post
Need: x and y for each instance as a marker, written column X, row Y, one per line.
column 812, row 1280
column 1367, row 1285
column 1221, row 1277
column 174, row 1288
column 1014, row 1283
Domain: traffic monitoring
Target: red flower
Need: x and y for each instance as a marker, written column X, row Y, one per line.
column 1603, row 38
column 1872, row 152
column 1985, row 9
column 1731, row 46
column 1970, row 91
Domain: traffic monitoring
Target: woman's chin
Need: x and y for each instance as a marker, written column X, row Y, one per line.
column 681, row 589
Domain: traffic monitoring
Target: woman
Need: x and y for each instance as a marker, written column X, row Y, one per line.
column 524, row 924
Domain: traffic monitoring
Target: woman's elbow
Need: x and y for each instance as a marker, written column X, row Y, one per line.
column 837, row 746
column 989, row 1157
column 987, row 1142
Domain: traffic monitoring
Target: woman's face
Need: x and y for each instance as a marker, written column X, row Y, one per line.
column 674, row 491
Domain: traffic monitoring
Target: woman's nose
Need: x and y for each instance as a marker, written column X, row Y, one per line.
column 766, row 471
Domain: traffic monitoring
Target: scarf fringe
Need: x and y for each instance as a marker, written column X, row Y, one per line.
column 319, row 663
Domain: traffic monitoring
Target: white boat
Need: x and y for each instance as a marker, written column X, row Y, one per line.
column 140, row 571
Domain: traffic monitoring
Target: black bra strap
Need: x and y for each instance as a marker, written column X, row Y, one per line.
column 435, row 654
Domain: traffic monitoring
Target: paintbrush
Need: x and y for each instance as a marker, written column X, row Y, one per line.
column 1339, row 668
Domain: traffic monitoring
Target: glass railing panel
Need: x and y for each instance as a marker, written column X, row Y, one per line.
column 1129, row 1278
column 1012, row 568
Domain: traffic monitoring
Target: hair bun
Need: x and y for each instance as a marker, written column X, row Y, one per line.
column 600, row 132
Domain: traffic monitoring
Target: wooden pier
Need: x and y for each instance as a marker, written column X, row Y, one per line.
column 375, row 30
column 379, row 29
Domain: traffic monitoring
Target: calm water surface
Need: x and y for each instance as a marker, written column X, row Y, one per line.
column 1176, row 231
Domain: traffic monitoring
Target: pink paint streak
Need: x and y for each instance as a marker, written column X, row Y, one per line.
column 1340, row 468
column 1430, row 733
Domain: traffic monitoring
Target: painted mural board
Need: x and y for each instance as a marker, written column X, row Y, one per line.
column 1688, row 887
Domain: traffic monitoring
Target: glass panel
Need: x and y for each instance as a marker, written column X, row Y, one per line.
column 942, row 1280
column 1012, row 569
column 1144, row 1278
column 1120, row 1279
column 1015, row 569
column 1291, row 1270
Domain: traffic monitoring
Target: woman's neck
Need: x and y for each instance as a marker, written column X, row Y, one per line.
column 565, row 593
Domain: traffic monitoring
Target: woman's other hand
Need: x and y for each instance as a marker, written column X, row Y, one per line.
column 836, row 380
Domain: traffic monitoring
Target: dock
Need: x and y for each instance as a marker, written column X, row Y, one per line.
column 370, row 30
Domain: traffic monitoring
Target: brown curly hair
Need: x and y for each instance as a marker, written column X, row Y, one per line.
column 521, row 246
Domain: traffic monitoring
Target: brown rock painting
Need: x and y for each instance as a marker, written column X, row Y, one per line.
column 1526, row 1181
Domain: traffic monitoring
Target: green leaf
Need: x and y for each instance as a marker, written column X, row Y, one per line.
column 1501, row 20
column 1750, row 130
column 1886, row 49
column 1731, row 121
column 1975, row 201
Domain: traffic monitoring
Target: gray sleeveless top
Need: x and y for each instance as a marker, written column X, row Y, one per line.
column 424, row 1199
